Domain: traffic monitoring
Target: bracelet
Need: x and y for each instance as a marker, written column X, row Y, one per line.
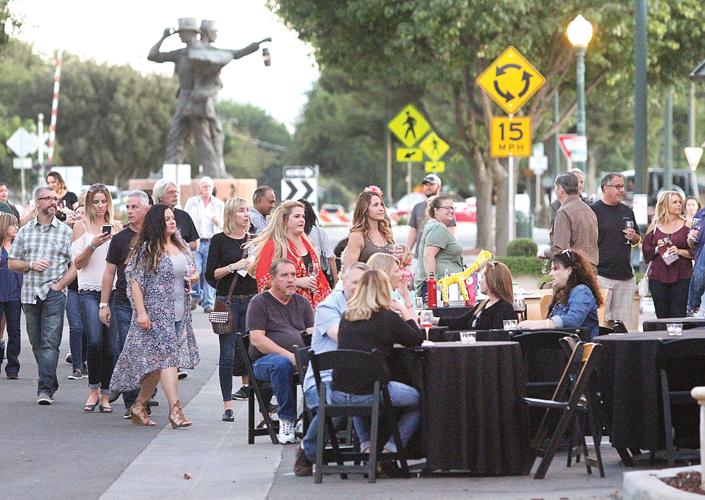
column 92, row 246
column 30, row 265
column 231, row 269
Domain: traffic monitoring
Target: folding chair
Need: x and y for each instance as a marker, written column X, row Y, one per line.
column 254, row 391
column 303, row 356
column 571, row 395
column 373, row 364
column 681, row 364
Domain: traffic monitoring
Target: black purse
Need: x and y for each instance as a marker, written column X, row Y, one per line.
column 222, row 317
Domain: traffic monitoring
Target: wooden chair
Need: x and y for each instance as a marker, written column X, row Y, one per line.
column 374, row 366
column 544, row 304
column 571, row 394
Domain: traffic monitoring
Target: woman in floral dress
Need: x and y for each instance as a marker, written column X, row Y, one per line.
column 159, row 272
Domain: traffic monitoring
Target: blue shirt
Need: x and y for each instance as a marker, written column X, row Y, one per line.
column 700, row 214
column 328, row 313
column 579, row 312
column 10, row 282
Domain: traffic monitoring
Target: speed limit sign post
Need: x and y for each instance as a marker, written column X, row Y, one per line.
column 510, row 136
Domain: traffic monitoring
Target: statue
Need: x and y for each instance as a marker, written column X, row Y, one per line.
column 197, row 67
column 459, row 278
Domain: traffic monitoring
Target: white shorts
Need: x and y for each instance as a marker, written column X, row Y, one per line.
column 620, row 295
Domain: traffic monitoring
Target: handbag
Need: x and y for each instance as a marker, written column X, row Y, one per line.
column 222, row 317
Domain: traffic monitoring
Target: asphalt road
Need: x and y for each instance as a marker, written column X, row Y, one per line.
column 59, row 451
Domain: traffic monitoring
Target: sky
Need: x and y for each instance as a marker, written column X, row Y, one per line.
column 122, row 32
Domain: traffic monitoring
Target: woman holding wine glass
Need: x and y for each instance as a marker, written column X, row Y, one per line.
column 692, row 205
column 284, row 238
column 370, row 232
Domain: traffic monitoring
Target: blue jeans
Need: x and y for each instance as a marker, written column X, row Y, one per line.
column 401, row 395
column 77, row 334
column 101, row 343
column 45, row 323
column 121, row 317
column 697, row 286
column 309, row 441
column 202, row 289
column 278, row 370
column 12, row 312
column 228, row 359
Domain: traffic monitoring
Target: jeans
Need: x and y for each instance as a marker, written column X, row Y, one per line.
column 202, row 289
column 697, row 286
column 278, row 370
column 121, row 317
column 228, row 358
column 309, row 441
column 401, row 395
column 670, row 299
column 12, row 312
column 45, row 322
column 77, row 334
column 101, row 343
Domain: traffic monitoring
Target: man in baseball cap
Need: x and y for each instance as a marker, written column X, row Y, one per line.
column 431, row 187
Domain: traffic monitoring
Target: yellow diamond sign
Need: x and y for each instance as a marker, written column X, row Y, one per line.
column 434, row 146
column 511, row 80
column 409, row 126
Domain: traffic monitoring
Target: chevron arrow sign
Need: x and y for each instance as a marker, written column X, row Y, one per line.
column 297, row 189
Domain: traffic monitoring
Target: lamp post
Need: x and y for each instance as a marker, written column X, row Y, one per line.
column 579, row 34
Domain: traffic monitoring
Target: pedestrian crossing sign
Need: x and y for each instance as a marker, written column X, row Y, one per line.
column 434, row 146
column 409, row 126
column 409, row 155
column 435, row 167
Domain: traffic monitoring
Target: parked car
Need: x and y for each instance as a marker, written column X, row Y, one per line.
column 402, row 208
column 466, row 211
column 331, row 213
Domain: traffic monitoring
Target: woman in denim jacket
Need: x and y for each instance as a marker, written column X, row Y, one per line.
column 576, row 295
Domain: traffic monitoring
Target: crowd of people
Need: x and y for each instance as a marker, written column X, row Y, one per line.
column 128, row 292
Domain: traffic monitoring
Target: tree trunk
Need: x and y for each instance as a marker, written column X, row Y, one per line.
column 483, row 195
column 502, row 215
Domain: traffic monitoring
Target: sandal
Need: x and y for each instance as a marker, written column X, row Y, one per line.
column 90, row 407
column 106, row 408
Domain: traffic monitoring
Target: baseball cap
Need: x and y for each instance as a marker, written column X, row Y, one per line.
column 431, row 179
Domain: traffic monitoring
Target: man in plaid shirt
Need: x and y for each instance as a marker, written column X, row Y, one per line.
column 42, row 250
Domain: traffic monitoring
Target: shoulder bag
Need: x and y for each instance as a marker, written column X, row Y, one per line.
column 222, row 317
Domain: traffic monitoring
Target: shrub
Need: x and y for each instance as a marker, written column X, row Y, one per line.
column 528, row 266
column 522, row 247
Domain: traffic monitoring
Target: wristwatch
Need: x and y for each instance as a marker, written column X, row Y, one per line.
column 231, row 269
column 102, row 305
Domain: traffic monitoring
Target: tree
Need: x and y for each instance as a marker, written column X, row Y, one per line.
column 430, row 52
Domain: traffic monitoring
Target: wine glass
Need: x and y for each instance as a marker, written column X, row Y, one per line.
column 426, row 321
column 696, row 224
column 628, row 224
column 418, row 303
column 313, row 269
column 398, row 251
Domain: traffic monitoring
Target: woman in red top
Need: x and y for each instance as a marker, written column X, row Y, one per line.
column 670, row 259
column 284, row 238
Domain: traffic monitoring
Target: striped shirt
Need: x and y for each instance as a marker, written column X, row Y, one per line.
column 52, row 243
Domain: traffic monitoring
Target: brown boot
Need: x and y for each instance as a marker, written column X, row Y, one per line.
column 176, row 416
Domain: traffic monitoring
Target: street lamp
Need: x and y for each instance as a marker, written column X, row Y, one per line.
column 579, row 34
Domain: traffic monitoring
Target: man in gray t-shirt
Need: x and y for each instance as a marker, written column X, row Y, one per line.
column 431, row 187
column 275, row 320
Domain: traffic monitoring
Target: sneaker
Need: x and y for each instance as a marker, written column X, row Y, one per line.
column 76, row 375
column 44, row 399
column 182, row 375
column 69, row 359
column 302, row 465
column 12, row 376
column 208, row 309
column 228, row 416
column 126, row 415
column 241, row 394
column 286, row 432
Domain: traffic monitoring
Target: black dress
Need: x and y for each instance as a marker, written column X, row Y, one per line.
column 489, row 318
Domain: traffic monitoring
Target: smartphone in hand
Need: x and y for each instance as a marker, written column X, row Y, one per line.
column 107, row 228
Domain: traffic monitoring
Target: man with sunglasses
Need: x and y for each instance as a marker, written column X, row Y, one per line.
column 615, row 241
column 42, row 250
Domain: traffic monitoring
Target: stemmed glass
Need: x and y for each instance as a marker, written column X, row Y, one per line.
column 628, row 224
column 313, row 269
column 418, row 303
column 426, row 322
column 696, row 224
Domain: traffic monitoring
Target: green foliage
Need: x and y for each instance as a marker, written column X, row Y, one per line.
column 522, row 247
column 526, row 266
column 8, row 23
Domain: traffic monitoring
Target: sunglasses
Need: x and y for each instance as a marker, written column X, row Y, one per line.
column 97, row 187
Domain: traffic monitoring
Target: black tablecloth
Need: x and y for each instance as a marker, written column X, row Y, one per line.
column 653, row 325
column 628, row 379
column 442, row 312
column 472, row 418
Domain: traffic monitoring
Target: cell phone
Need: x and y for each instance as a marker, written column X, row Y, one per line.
column 107, row 228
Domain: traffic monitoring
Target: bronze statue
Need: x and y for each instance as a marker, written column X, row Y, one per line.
column 198, row 67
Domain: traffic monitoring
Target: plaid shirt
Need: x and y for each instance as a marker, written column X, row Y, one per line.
column 51, row 243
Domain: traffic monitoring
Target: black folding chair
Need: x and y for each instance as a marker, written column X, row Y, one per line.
column 254, row 391
column 303, row 356
column 374, row 368
column 570, row 395
column 681, row 364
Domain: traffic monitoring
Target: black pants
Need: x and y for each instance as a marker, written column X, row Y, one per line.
column 670, row 299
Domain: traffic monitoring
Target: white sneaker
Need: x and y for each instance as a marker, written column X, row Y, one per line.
column 286, row 432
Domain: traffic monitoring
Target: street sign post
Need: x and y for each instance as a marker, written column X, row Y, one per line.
column 409, row 126
column 410, row 154
column 23, row 143
column 435, row 167
column 510, row 136
column 511, row 80
column 573, row 147
column 300, row 182
column 434, row 147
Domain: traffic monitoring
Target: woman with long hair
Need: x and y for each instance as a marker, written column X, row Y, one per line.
column 160, row 270
column 10, row 298
column 692, row 205
column 372, row 320
column 670, row 260
column 284, row 238
column 576, row 295
column 90, row 237
column 67, row 199
column 390, row 266
column 317, row 235
column 496, row 282
column 439, row 251
column 227, row 261
column 370, row 232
